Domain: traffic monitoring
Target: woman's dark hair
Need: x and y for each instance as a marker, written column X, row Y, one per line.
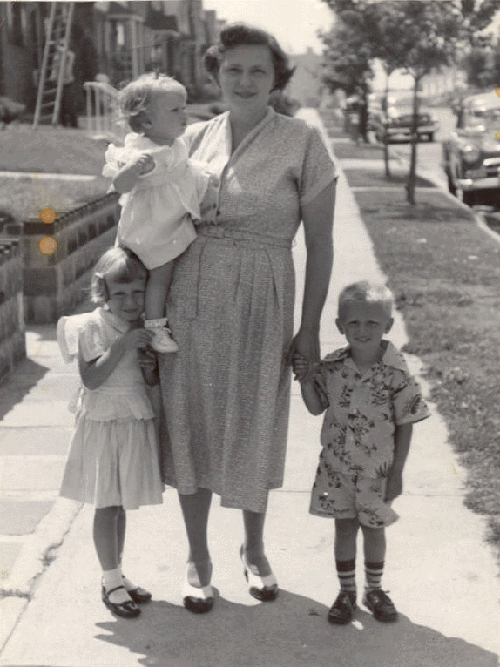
column 241, row 34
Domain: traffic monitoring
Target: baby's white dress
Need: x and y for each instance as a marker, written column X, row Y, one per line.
column 113, row 458
column 157, row 215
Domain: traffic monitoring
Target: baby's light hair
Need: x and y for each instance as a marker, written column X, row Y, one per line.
column 367, row 292
column 135, row 97
column 118, row 264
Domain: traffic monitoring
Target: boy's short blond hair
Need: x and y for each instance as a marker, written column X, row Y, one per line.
column 135, row 98
column 367, row 292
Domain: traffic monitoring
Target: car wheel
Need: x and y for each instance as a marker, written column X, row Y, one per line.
column 451, row 186
column 466, row 198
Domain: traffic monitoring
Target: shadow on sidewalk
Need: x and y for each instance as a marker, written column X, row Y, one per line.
column 292, row 632
column 19, row 384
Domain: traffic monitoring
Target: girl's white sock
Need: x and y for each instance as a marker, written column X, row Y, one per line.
column 129, row 585
column 113, row 579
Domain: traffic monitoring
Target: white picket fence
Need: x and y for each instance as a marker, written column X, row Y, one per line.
column 102, row 112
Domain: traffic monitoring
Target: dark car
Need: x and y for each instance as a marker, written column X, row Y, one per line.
column 471, row 155
column 397, row 124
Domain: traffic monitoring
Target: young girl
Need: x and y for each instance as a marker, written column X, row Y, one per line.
column 113, row 459
column 161, row 189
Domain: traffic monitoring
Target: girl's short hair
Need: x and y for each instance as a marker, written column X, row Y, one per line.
column 118, row 264
column 241, row 34
column 135, row 97
column 367, row 292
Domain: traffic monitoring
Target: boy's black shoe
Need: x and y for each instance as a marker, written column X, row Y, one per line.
column 342, row 610
column 381, row 605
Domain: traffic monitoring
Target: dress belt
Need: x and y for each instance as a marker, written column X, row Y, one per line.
column 251, row 239
column 234, row 237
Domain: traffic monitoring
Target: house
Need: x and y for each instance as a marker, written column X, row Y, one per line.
column 118, row 39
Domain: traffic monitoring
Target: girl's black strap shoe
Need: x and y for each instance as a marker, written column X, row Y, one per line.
column 127, row 609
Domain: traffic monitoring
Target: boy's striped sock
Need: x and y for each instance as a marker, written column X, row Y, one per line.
column 373, row 573
column 346, row 572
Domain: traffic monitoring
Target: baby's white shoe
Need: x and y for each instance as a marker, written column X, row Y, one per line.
column 162, row 340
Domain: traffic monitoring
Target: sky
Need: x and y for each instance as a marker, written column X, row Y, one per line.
column 294, row 23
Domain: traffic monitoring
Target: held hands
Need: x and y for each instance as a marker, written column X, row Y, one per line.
column 148, row 361
column 147, row 358
column 306, row 346
column 300, row 367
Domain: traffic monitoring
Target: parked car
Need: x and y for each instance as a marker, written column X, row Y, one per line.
column 471, row 155
column 397, row 124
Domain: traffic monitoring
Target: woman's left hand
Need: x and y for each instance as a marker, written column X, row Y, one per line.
column 305, row 343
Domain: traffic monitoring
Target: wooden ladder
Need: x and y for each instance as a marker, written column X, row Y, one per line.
column 51, row 75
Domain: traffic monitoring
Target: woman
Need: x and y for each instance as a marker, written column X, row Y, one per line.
column 226, row 392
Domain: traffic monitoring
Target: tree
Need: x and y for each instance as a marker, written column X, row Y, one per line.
column 417, row 36
column 347, row 65
column 478, row 67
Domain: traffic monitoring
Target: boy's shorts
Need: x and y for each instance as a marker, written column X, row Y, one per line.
column 352, row 496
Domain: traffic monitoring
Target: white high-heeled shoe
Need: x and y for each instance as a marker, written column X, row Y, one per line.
column 198, row 600
column 264, row 588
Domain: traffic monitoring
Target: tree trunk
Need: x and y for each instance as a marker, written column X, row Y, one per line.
column 386, row 118
column 363, row 114
column 414, row 139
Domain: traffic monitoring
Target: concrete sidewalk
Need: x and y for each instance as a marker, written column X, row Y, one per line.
column 441, row 575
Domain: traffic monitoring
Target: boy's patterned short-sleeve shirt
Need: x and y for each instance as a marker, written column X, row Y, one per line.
column 362, row 411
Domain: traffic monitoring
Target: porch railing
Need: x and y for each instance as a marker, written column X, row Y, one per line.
column 102, row 112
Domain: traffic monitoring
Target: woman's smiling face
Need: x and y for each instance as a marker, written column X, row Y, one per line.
column 246, row 76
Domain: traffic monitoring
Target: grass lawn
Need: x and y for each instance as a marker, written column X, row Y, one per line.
column 445, row 273
column 50, row 150
column 346, row 149
column 59, row 151
column 375, row 178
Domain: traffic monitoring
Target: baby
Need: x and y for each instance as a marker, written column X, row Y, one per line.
column 161, row 189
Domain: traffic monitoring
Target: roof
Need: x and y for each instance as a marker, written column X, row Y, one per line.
column 116, row 9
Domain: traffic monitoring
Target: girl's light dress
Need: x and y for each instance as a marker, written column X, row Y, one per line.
column 157, row 215
column 113, row 458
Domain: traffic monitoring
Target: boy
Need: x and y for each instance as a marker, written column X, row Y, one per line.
column 371, row 401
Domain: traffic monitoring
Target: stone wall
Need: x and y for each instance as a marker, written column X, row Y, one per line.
column 59, row 255
column 12, row 338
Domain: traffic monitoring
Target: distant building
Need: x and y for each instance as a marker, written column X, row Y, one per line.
column 446, row 80
column 305, row 85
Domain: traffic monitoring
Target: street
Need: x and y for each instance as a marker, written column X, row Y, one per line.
column 429, row 154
